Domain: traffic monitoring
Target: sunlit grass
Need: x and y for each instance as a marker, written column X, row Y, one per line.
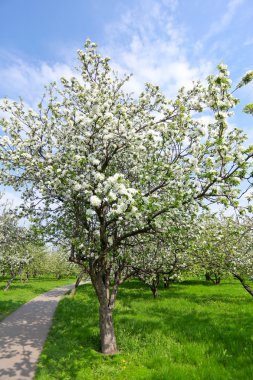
column 192, row 331
column 20, row 293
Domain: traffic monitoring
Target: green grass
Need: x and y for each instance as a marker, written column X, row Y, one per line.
column 20, row 293
column 192, row 331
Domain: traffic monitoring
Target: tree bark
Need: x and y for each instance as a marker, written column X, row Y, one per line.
column 246, row 287
column 78, row 280
column 7, row 286
column 101, row 283
column 154, row 286
column 108, row 339
column 166, row 282
column 154, row 291
column 217, row 279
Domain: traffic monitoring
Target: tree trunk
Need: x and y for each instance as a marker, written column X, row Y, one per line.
column 7, row 286
column 215, row 279
column 101, row 283
column 246, row 287
column 154, row 291
column 166, row 282
column 78, row 280
column 154, row 286
column 108, row 339
column 208, row 277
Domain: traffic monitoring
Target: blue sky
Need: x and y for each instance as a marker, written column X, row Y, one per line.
column 166, row 42
column 169, row 42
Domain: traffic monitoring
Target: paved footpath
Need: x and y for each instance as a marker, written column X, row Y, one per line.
column 23, row 333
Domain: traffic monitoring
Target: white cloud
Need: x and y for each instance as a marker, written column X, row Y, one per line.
column 153, row 48
column 145, row 41
column 26, row 79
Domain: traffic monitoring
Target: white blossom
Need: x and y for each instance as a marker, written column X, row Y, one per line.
column 95, row 201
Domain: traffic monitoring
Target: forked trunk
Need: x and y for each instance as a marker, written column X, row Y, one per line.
column 108, row 339
column 216, row 279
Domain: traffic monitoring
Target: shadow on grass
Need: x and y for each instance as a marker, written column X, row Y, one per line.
column 140, row 291
column 73, row 342
column 195, row 283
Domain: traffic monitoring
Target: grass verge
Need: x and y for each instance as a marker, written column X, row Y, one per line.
column 20, row 293
column 192, row 331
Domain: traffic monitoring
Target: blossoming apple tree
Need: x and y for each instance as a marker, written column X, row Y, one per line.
column 98, row 167
column 14, row 256
column 225, row 247
column 165, row 255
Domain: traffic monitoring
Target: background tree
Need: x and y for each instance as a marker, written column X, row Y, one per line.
column 165, row 256
column 209, row 253
column 225, row 247
column 58, row 265
column 39, row 265
column 14, row 256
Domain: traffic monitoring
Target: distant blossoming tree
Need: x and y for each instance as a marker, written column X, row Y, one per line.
column 14, row 255
column 165, row 256
column 98, row 167
column 225, row 246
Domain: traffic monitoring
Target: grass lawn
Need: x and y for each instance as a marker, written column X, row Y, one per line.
column 192, row 331
column 20, row 293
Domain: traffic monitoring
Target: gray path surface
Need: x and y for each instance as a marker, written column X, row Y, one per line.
column 23, row 333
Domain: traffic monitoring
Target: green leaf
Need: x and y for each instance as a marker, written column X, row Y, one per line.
column 248, row 109
column 247, row 78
